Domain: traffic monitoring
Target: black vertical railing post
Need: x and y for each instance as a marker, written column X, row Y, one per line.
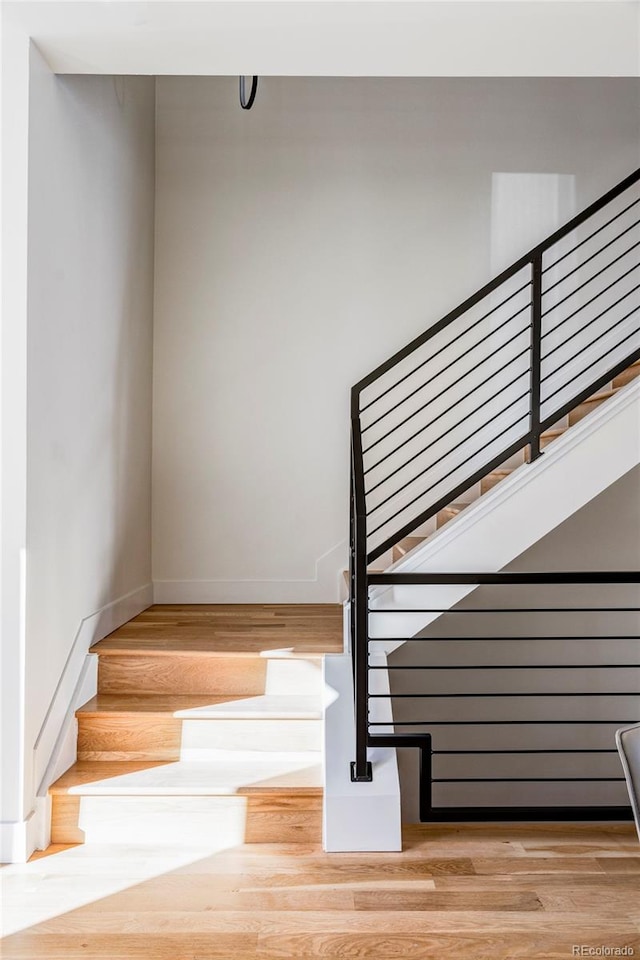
column 360, row 768
column 536, row 351
column 426, row 778
column 352, row 565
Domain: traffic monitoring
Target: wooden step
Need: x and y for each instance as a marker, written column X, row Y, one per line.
column 248, row 799
column 226, row 675
column 589, row 405
column 627, row 375
column 492, row 479
column 405, row 546
column 133, row 672
column 218, row 650
column 229, row 629
column 170, row 728
column 449, row 513
column 345, row 574
column 550, row 435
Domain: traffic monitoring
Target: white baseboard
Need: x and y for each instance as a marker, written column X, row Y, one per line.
column 18, row 839
column 324, row 587
column 55, row 746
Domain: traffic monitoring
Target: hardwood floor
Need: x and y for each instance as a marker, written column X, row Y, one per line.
column 456, row 892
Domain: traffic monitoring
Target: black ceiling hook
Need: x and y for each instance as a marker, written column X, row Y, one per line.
column 244, row 103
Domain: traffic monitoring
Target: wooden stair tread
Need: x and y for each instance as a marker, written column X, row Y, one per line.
column 298, row 775
column 599, row 397
column 271, row 706
column 113, row 703
column 407, row 544
column 552, row 434
column 206, row 646
column 449, row 513
column 229, row 630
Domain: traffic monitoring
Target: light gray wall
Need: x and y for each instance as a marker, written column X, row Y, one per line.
column 297, row 246
column 91, row 207
column 603, row 535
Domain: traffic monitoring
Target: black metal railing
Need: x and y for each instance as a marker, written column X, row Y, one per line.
column 482, row 385
column 530, row 738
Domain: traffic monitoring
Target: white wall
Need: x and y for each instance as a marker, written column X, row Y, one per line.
column 89, row 350
column 14, row 64
column 297, row 246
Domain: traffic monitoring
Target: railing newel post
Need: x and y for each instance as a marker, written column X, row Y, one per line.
column 361, row 770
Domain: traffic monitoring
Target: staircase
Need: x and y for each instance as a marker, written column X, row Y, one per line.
column 206, row 729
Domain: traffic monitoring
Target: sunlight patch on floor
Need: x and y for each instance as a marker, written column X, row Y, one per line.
column 51, row 886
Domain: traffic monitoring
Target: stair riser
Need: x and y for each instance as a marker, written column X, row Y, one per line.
column 159, row 738
column 544, row 442
column 186, row 820
column 583, row 411
column 299, row 676
column 626, row 376
column 182, row 673
column 490, row 481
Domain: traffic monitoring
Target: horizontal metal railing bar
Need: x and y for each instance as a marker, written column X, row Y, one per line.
column 441, row 349
column 592, row 257
column 469, row 753
column 588, row 391
column 560, row 577
column 444, row 369
column 484, row 694
column 589, row 323
column 451, row 406
column 443, row 501
column 634, row 333
column 524, row 814
column 492, row 638
column 505, row 610
column 439, row 459
column 496, row 723
column 591, row 235
column 449, row 430
column 511, row 666
column 588, row 303
column 585, row 346
column 453, row 384
column 497, row 281
column 527, row 779
column 590, row 280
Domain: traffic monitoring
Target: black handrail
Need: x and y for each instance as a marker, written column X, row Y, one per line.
column 498, row 281
column 548, row 402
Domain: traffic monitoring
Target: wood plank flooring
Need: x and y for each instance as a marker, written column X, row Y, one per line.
column 456, row 892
